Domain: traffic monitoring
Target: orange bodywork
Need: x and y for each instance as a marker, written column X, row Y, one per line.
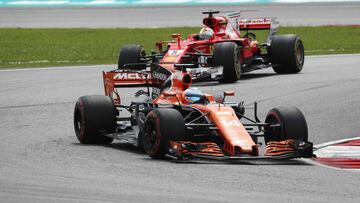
column 207, row 148
column 236, row 138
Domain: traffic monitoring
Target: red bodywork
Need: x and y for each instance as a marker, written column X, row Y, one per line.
column 224, row 31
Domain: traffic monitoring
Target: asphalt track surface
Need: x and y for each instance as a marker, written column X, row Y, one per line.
column 42, row 161
column 308, row 14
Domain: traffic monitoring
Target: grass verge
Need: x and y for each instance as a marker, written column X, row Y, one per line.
column 59, row 47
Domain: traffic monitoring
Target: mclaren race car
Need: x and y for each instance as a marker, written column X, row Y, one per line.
column 176, row 120
column 223, row 50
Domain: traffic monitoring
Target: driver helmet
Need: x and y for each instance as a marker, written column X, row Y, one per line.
column 193, row 94
column 206, row 33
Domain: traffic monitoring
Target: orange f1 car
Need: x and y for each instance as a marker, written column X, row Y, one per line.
column 181, row 122
column 224, row 48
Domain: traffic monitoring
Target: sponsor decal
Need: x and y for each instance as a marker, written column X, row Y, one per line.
column 255, row 21
column 160, row 73
column 159, row 76
column 129, row 76
column 231, row 123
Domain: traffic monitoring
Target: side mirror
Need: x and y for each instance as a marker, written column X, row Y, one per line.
column 159, row 46
column 219, row 99
column 229, row 93
column 175, row 35
column 178, row 37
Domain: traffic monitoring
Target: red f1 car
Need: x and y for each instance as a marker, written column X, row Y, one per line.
column 221, row 51
column 178, row 121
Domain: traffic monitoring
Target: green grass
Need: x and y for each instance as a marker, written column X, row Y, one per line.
column 58, row 47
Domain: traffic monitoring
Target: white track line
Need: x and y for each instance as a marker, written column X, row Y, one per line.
column 59, row 68
column 313, row 162
column 334, row 142
column 320, row 146
column 332, row 55
column 339, row 152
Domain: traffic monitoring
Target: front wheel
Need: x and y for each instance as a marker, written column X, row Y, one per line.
column 285, row 123
column 286, row 54
column 161, row 126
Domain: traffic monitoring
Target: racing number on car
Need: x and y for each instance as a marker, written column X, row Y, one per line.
column 175, row 52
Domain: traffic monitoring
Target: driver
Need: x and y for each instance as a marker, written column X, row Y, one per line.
column 206, row 33
column 194, row 95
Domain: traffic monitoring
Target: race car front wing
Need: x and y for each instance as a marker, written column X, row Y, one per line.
column 276, row 150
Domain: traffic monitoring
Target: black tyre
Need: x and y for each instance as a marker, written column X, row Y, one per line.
column 228, row 55
column 290, row 122
column 161, row 126
column 287, row 54
column 94, row 115
column 132, row 54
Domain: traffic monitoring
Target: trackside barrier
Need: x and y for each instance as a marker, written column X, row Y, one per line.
column 133, row 3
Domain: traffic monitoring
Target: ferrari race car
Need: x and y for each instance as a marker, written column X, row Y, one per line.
column 223, row 50
column 174, row 119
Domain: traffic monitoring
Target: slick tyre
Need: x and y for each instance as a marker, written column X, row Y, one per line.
column 286, row 54
column 285, row 123
column 132, row 54
column 228, row 55
column 94, row 115
column 161, row 126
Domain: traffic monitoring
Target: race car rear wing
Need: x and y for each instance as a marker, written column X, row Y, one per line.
column 128, row 78
column 246, row 24
column 255, row 23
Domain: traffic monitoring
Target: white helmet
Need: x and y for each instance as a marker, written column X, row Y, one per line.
column 206, row 33
column 193, row 94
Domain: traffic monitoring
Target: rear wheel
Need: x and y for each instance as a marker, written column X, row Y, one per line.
column 94, row 115
column 228, row 55
column 287, row 54
column 285, row 123
column 132, row 54
column 161, row 126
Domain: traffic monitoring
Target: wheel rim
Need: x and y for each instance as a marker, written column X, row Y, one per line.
column 237, row 62
column 78, row 122
column 299, row 54
column 150, row 137
column 271, row 133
